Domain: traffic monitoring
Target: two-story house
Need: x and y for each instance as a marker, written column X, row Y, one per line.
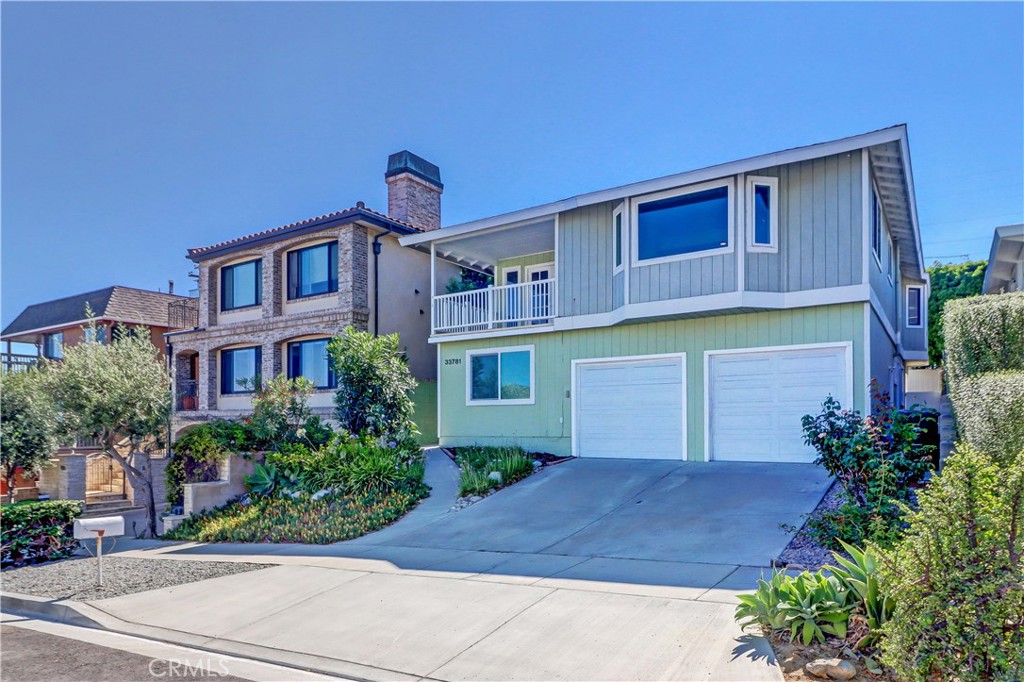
column 270, row 301
column 696, row 316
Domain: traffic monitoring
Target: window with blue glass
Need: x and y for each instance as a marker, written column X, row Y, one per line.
column 96, row 334
column 683, row 224
column 762, row 213
column 313, row 270
column 241, row 285
column 309, row 359
column 53, row 346
column 239, row 369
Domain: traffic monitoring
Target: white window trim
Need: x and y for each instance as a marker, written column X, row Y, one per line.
column 920, row 307
column 530, row 269
column 498, row 351
column 634, row 221
column 619, row 213
column 773, row 214
column 512, row 268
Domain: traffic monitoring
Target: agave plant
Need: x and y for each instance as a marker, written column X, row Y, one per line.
column 814, row 605
column 263, row 480
column 762, row 607
column 859, row 575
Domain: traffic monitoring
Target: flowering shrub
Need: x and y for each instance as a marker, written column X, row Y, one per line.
column 877, row 459
column 31, row 532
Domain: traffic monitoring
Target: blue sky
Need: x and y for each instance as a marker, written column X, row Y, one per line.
column 131, row 132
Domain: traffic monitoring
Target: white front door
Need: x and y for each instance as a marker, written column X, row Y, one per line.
column 631, row 408
column 757, row 399
column 541, row 295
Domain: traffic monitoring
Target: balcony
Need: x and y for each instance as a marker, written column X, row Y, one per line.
column 500, row 307
column 17, row 362
column 183, row 314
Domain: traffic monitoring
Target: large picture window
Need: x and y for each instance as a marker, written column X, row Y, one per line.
column 241, row 285
column 309, row 359
column 239, row 369
column 500, row 375
column 673, row 225
column 313, row 270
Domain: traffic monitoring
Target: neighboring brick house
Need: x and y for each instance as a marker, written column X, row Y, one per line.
column 269, row 301
column 81, row 471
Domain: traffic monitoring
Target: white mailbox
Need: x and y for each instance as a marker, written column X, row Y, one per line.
column 102, row 526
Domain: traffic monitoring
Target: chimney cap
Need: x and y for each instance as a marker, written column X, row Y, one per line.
column 407, row 162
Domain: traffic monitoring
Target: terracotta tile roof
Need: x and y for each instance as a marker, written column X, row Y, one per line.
column 355, row 212
column 117, row 303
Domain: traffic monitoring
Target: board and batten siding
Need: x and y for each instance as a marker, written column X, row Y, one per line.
column 682, row 278
column 522, row 262
column 883, row 353
column 584, row 268
column 820, row 227
column 546, row 425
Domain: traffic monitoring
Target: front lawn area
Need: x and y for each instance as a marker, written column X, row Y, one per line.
column 331, row 518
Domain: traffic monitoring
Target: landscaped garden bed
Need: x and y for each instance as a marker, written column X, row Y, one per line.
column 485, row 469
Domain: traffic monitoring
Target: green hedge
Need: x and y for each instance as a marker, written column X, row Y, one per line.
column 984, row 334
column 31, row 532
column 990, row 413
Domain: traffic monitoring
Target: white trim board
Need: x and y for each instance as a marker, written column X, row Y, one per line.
column 847, row 347
column 574, row 438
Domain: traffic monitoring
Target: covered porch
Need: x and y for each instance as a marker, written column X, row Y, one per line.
column 519, row 264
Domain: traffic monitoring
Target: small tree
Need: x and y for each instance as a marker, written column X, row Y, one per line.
column 118, row 393
column 373, row 384
column 28, row 425
column 949, row 281
column 280, row 409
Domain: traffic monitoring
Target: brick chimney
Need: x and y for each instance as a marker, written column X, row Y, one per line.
column 414, row 190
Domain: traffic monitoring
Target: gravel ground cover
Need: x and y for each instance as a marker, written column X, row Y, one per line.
column 803, row 551
column 76, row 578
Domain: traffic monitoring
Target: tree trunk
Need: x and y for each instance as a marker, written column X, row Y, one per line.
column 138, row 479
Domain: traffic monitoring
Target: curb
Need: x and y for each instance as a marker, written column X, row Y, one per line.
column 58, row 610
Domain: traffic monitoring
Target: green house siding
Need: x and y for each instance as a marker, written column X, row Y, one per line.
column 546, row 425
column 523, row 261
column 424, row 400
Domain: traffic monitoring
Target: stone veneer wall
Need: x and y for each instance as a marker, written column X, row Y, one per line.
column 414, row 200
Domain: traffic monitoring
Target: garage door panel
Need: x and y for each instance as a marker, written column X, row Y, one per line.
column 756, row 401
column 630, row 408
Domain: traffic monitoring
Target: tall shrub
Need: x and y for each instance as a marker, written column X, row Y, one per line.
column 984, row 334
column 949, row 281
column 957, row 576
column 31, row 532
column 373, row 384
column 28, row 425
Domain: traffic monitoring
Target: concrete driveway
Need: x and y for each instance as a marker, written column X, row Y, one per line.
column 589, row 570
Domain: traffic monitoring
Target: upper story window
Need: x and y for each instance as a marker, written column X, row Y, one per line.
column 673, row 225
column 763, row 213
column 95, row 334
column 239, row 369
column 617, row 237
column 500, row 375
column 890, row 264
column 876, row 227
column 914, row 301
column 53, row 346
column 313, row 270
column 241, row 285
column 309, row 359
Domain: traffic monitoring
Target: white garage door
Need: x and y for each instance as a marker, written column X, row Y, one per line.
column 630, row 408
column 757, row 400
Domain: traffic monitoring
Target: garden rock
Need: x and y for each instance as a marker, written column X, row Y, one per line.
column 537, row 464
column 475, row 498
column 831, row 669
column 494, row 476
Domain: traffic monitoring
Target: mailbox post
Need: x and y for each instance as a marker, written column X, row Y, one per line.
column 98, row 528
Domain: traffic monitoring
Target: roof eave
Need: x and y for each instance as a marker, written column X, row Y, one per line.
column 847, row 144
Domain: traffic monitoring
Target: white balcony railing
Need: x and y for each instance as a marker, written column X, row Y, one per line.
column 511, row 305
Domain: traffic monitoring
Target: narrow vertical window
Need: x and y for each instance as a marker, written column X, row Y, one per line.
column 876, row 227
column 762, row 213
column 617, row 237
column 914, row 313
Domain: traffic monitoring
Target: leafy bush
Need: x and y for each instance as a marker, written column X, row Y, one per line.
column 324, row 520
column 281, row 414
column 478, row 462
column 28, row 424
column 957, row 576
column 877, row 459
column 373, row 384
column 31, row 532
column 809, row 605
column 984, row 334
column 990, row 413
column 949, row 281
column 198, row 452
